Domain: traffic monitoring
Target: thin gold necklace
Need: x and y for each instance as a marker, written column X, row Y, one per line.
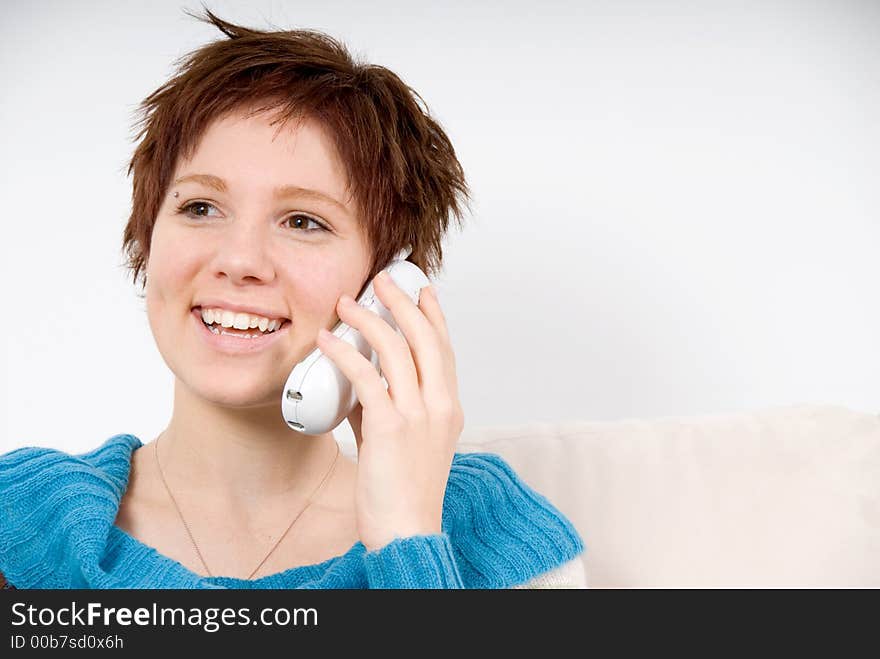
column 277, row 542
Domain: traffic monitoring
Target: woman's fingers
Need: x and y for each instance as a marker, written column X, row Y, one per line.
column 361, row 373
column 430, row 306
column 395, row 357
column 419, row 366
column 421, row 335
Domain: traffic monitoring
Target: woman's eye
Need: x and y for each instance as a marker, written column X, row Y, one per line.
column 296, row 221
column 186, row 208
column 299, row 220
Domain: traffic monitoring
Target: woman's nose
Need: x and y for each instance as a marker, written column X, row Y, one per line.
column 243, row 254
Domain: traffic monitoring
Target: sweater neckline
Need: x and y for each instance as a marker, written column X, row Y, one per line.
column 152, row 560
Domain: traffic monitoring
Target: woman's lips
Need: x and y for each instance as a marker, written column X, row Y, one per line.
column 235, row 345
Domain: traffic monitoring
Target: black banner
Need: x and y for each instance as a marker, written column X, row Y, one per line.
column 136, row 621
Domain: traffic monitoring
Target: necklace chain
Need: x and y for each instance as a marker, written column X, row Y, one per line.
column 277, row 542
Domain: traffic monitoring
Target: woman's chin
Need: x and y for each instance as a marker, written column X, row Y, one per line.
column 257, row 394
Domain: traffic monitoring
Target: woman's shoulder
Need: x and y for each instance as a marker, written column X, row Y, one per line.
column 40, row 479
column 53, row 499
column 32, row 467
column 503, row 530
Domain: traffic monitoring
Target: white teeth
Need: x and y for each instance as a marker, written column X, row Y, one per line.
column 241, row 321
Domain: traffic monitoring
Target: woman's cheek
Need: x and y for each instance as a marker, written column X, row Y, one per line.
column 317, row 288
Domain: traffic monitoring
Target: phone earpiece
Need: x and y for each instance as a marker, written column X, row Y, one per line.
column 317, row 396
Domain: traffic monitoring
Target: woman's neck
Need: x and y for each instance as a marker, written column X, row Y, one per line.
column 242, row 457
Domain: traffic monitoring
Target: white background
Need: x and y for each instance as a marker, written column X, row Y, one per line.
column 675, row 203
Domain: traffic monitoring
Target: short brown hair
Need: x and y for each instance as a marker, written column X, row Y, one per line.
column 402, row 169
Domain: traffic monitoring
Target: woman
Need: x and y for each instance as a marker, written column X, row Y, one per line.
column 273, row 178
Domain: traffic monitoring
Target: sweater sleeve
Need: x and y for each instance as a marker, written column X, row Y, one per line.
column 418, row 561
column 504, row 532
column 496, row 532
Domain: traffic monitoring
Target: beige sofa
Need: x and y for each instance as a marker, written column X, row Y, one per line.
column 781, row 497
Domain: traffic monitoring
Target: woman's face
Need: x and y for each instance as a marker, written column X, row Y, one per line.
column 240, row 242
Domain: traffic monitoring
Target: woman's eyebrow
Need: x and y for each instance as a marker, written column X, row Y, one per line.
column 281, row 191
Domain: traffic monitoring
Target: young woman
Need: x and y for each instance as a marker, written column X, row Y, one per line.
column 273, row 180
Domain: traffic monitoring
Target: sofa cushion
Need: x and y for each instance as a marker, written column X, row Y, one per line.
column 781, row 497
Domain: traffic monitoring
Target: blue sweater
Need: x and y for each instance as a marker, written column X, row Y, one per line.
column 57, row 514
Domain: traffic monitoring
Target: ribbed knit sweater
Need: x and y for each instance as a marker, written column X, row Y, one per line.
column 57, row 530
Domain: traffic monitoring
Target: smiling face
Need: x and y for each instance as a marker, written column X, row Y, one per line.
column 241, row 242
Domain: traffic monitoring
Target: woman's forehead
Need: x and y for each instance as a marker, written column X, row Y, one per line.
column 241, row 151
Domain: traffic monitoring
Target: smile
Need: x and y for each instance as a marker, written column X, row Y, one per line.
column 231, row 340
column 218, row 319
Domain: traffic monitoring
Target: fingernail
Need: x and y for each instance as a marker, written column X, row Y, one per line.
column 346, row 300
column 383, row 275
column 324, row 334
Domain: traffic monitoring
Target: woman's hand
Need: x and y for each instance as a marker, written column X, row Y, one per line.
column 406, row 436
